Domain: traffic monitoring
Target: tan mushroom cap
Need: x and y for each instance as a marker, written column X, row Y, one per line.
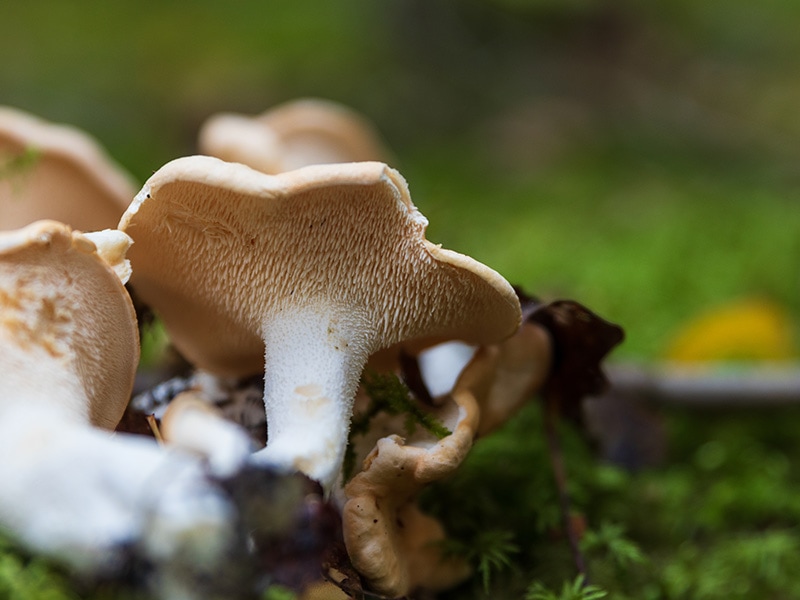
column 61, row 173
column 509, row 374
column 68, row 334
column 292, row 135
column 220, row 248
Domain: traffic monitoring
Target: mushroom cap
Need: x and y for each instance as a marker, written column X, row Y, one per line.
column 63, row 174
column 68, row 334
column 292, row 135
column 222, row 249
column 195, row 425
column 505, row 376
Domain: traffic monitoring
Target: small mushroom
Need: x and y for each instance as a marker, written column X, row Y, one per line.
column 390, row 541
column 321, row 266
column 395, row 546
column 58, row 172
column 293, row 135
column 193, row 424
column 507, row 375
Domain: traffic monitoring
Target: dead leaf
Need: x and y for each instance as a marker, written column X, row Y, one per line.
column 581, row 340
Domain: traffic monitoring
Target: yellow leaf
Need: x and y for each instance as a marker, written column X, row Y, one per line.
column 749, row 329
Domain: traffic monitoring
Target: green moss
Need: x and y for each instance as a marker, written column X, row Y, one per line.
column 574, row 590
column 389, row 395
column 16, row 165
column 719, row 521
column 278, row 592
column 28, row 580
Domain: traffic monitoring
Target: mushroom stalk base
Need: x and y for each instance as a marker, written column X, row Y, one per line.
column 313, row 362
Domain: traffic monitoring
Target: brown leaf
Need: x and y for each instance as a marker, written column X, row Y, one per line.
column 581, row 340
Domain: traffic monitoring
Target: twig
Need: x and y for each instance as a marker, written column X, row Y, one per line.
column 560, row 474
column 151, row 421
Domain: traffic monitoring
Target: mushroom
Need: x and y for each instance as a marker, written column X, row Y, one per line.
column 509, row 374
column 68, row 352
column 304, row 274
column 295, row 134
column 193, row 424
column 395, row 546
column 70, row 342
column 58, row 172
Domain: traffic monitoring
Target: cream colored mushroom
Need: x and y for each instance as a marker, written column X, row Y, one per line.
column 390, row 541
column 293, row 135
column 68, row 328
column 321, row 266
column 58, row 172
column 68, row 352
column 191, row 423
column 506, row 375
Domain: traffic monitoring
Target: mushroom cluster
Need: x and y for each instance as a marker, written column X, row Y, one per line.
column 307, row 266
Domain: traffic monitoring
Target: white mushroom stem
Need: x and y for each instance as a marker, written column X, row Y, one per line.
column 82, row 495
column 442, row 364
column 313, row 362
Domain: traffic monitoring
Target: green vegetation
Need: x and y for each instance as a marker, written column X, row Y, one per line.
column 13, row 166
column 388, row 395
column 576, row 590
column 278, row 592
column 22, row 579
column 718, row 522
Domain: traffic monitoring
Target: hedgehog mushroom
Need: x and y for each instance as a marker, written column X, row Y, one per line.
column 68, row 353
column 305, row 274
column 50, row 171
column 293, row 135
column 70, row 342
column 192, row 424
column 390, row 541
column 502, row 376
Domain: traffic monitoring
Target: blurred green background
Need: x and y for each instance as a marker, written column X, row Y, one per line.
column 640, row 157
